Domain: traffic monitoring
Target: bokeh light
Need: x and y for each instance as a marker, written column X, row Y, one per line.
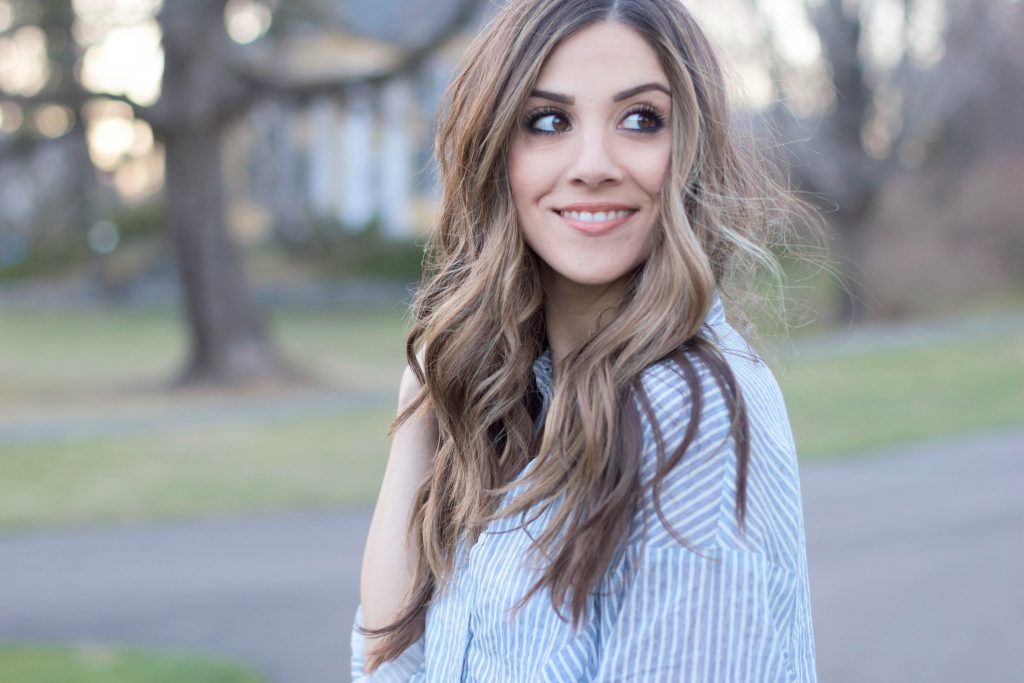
column 10, row 117
column 142, row 139
column 110, row 132
column 6, row 15
column 24, row 68
column 246, row 20
column 103, row 237
column 127, row 60
column 136, row 179
column 98, row 16
column 53, row 120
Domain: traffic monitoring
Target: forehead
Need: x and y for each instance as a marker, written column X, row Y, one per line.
column 604, row 56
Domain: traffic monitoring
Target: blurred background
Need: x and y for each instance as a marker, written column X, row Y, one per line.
column 211, row 218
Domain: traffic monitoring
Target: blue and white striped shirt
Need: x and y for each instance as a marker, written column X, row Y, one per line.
column 731, row 608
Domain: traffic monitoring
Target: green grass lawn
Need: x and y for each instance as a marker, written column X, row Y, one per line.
column 53, row 353
column 207, row 471
column 865, row 402
column 110, row 665
column 111, row 366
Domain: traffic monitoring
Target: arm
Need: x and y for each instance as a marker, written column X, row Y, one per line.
column 388, row 564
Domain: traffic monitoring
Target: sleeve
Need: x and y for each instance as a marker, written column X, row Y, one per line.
column 699, row 618
column 410, row 667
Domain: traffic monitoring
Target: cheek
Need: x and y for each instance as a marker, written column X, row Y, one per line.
column 652, row 173
column 532, row 172
column 521, row 176
column 520, row 194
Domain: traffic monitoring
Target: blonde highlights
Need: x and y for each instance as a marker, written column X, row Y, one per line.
column 479, row 324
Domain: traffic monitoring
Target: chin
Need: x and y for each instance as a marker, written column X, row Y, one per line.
column 595, row 280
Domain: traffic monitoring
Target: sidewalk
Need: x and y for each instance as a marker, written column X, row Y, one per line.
column 915, row 560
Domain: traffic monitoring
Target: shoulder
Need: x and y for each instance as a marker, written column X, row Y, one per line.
column 408, row 388
column 687, row 408
column 410, row 385
column 678, row 389
column 687, row 454
column 687, row 392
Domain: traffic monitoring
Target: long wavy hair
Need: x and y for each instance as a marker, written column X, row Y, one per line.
column 478, row 319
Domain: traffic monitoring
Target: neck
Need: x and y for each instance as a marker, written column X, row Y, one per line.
column 571, row 313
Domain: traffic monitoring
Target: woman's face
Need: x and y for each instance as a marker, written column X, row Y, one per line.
column 588, row 162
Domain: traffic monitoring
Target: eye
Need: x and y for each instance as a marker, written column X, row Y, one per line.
column 645, row 119
column 547, row 122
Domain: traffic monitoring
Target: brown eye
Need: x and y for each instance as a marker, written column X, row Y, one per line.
column 643, row 120
column 549, row 123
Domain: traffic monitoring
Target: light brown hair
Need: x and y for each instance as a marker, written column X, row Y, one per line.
column 479, row 322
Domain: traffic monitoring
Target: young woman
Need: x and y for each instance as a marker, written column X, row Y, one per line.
column 592, row 476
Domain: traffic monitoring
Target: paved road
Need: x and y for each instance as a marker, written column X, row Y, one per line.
column 163, row 417
column 275, row 591
column 916, row 560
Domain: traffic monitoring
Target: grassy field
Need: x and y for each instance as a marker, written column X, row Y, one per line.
column 57, row 354
column 89, row 433
column 862, row 402
column 107, row 665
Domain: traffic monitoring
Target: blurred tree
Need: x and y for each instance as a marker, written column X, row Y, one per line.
column 207, row 83
column 924, row 78
column 53, row 121
column 200, row 92
column 57, row 21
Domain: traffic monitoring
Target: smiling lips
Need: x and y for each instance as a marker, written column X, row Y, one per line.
column 595, row 219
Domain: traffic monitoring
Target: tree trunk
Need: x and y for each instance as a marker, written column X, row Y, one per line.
column 200, row 95
column 229, row 343
column 833, row 167
column 850, row 242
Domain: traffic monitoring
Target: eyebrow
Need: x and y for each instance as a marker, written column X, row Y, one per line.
column 617, row 97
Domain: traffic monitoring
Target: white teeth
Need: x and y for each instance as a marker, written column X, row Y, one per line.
column 599, row 217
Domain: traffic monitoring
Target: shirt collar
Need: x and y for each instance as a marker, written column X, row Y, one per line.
column 543, row 375
column 716, row 313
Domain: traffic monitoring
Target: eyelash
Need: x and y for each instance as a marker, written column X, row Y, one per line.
column 532, row 117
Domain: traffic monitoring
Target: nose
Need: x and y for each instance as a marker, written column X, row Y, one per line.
column 594, row 162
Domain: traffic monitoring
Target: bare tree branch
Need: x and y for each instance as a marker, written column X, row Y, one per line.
column 140, row 111
column 262, row 86
column 204, row 85
column 73, row 100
